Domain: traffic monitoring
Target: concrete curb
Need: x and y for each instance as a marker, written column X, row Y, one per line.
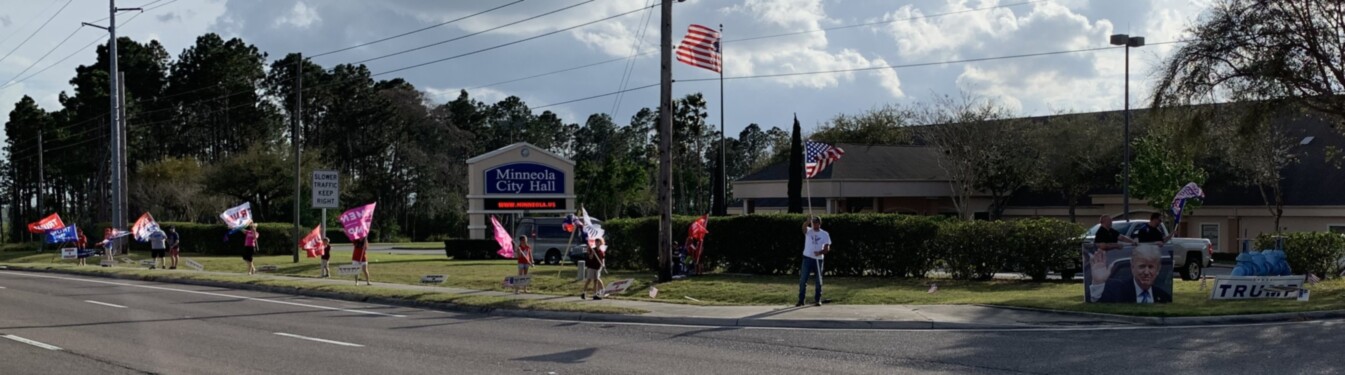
column 1100, row 319
column 1214, row 320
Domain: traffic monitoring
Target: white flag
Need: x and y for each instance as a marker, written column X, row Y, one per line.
column 238, row 217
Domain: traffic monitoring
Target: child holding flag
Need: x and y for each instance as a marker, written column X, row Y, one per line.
column 361, row 258
column 326, row 256
column 524, row 256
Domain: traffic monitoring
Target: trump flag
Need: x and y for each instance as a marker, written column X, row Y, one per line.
column 67, row 234
column 238, row 217
column 356, row 221
column 50, row 222
column 143, row 227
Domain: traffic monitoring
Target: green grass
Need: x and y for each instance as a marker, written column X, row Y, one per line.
column 40, row 261
column 1189, row 300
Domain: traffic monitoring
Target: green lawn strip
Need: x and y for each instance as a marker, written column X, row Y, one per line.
column 1189, row 300
column 481, row 302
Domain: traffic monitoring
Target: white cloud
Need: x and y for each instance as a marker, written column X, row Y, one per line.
column 887, row 78
column 301, row 16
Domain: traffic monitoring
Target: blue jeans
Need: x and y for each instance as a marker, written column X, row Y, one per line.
column 810, row 266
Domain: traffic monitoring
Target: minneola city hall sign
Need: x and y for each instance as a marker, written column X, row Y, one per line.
column 518, row 178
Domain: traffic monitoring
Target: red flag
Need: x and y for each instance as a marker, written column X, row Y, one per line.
column 698, row 228
column 502, row 236
column 700, row 48
column 50, row 222
column 312, row 243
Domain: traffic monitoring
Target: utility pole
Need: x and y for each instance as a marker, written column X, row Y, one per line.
column 665, row 146
column 124, row 203
column 116, row 145
column 295, row 117
column 41, row 171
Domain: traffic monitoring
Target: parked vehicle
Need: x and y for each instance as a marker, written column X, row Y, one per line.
column 1190, row 256
column 549, row 240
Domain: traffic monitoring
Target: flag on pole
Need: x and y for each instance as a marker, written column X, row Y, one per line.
column 312, row 243
column 356, row 221
column 238, row 217
column 502, row 237
column 1191, row 190
column 592, row 232
column 66, row 234
column 698, row 228
column 700, row 48
column 113, row 233
column 568, row 223
column 50, row 222
column 816, row 157
column 143, row 227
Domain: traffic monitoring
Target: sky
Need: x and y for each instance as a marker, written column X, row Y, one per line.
column 922, row 40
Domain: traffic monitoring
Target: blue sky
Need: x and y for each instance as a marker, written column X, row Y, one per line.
column 1085, row 81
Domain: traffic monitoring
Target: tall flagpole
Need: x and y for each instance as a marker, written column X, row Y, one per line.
column 723, row 169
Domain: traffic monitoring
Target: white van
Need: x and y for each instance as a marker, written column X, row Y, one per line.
column 548, row 238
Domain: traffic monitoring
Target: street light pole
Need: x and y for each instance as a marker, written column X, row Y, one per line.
column 1129, row 42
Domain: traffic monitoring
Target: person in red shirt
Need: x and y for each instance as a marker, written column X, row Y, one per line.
column 361, row 258
column 80, row 243
column 524, row 256
column 250, row 247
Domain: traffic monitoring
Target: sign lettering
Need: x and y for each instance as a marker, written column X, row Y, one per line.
column 525, row 204
column 1257, row 287
column 524, row 178
column 269, row 268
column 517, row 281
column 432, row 279
column 195, row 265
column 326, row 189
column 348, row 270
column 69, row 253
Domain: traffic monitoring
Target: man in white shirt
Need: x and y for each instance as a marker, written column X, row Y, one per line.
column 816, row 245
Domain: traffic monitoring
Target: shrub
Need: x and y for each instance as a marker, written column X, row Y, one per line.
column 1315, row 252
column 1039, row 245
column 973, row 250
column 273, row 239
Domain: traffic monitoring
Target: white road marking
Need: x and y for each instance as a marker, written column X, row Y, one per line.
column 319, row 340
column 210, row 294
column 105, row 304
column 31, row 342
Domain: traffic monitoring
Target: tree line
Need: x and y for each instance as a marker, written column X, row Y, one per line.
column 211, row 128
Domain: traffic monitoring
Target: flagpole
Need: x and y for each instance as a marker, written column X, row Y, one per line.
column 723, row 169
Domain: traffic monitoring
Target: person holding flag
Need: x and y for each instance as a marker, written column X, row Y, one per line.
column 250, row 246
column 524, row 256
column 80, row 243
column 597, row 254
column 816, row 245
column 326, row 256
column 361, row 258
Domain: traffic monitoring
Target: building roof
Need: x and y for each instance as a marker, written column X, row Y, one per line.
column 1313, row 180
column 865, row 162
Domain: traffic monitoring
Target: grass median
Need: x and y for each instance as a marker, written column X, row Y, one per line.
column 1189, row 299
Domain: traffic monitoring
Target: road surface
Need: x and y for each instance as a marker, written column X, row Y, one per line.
column 58, row 324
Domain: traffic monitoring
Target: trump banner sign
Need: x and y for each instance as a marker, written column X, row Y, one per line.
column 356, row 221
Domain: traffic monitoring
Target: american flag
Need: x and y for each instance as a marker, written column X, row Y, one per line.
column 700, row 48
column 816, row 157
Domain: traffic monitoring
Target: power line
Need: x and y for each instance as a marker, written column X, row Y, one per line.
column 39, row 29
column 756, row 38
column 85, row 47
column 417, row 30
column 44, row 56
column 25, row 24
column 473, row 34
column 882, row 22
column 513, row 42
column 914, row 65
column 630, row 62
column 141, row 6
column 558, row 71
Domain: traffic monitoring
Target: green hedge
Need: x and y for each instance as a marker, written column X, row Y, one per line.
column 865, row 245
column 463, row 249
column 1315, row 252
column 275, row 238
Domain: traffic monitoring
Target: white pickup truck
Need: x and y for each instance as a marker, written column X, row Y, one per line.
column 1190, row 256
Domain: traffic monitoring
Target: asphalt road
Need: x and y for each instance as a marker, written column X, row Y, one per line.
column 127, row 327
